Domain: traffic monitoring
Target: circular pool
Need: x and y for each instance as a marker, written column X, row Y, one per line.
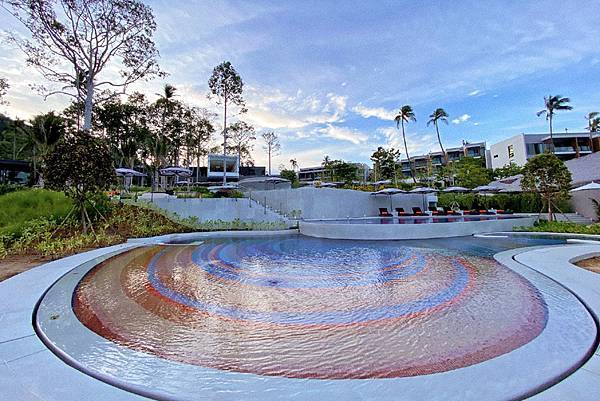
column 293, row 315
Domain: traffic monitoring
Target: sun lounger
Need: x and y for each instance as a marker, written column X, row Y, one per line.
column 383, row 212
column 417, row 211
column 400, row 211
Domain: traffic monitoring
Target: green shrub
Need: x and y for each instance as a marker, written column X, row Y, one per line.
column 8, row 188
column 519, row 203
column 562, row 227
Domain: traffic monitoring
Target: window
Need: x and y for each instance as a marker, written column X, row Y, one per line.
column 511, row 151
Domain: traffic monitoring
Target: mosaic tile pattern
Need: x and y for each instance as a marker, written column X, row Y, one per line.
column 309, row 308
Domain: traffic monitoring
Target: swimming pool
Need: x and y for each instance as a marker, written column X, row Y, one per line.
column 304, row 318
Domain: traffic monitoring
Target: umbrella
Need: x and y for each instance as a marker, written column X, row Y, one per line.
column 486, row 188
column 327, row 185
column 178, row 171
column 382, row 182
column 423, row 190
column 127, row 172
column 456, row 189
column 389, row 192
column 587, row 187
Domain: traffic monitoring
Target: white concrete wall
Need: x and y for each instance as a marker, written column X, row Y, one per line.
column 500, row 150
column 409, row 231
column 224, row 209
column 581, row 201
column 319, row 203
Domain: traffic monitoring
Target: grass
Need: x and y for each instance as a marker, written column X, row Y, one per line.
column 17, row 208
column 562, row 227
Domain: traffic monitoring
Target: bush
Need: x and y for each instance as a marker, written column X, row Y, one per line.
column 8, row 188
column 563, row 227
column 519, row 203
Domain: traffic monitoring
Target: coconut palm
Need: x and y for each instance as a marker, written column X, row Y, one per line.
column 439, row 115
column 553, row 104
column 405, row 115
column 325, row 163
column 593, row 120
column 294, row 164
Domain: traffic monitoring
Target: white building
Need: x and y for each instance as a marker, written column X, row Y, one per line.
column 520, row 148
column 215, row 166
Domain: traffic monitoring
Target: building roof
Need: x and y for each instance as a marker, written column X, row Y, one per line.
column 585, row 169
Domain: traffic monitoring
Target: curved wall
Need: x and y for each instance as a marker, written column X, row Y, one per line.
column 323, row 229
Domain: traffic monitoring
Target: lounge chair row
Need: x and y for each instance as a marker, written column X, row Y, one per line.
column 416, row 211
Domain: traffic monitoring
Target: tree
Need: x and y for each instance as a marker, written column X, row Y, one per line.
column 386, row 163
column 509, row 170
column 439, row 115
column 342, row 171
column 593, row 120
column 272, row 145
column 226, row 84
column 288, row 175
column 242, row 134
column 46, row 130
column 81, row 167
column 3, row 90
column 405, row 115
column 548, row 176
column 294, row 164
column 471, row 172
column 553, row 104
column 88, row 36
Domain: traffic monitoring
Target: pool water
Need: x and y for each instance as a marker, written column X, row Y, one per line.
column 417, row 219
column 311, row 310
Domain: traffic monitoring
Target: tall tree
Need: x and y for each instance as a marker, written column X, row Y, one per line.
column 87, row 36
column 593, row 120
column 272, row 145
column 386, row 162
column 46, row 130
column 294, row 164
column 242, row 135
column 3, row 90
column 552, row 105
column 439, row 115
column 227, row 86
column 405, row 115
column 548, row 176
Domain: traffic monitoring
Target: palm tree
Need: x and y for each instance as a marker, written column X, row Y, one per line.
column 294, row 164
column 593, row 125
column 553, row 104
column 325, row 163
column 439, row 115
column 405, row 115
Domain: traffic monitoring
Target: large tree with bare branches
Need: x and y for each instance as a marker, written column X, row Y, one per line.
column 74, row 41
column 3, row 89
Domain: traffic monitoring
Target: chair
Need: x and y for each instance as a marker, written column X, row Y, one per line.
column 383, row 212
column 400, row 211
column 417, row 211
column 437, row 211
column 472, row 212
column 507, row 211
column 451, row 212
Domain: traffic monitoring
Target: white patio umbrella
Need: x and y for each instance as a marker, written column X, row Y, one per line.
column 383, row 182
column 457, row 190
column 178, row 171
column 486, row 188
column 389, row 192
column 327, row 185
column 587, row 187
column 127, row 173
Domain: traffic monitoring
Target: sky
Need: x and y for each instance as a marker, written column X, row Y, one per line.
column 329, row 76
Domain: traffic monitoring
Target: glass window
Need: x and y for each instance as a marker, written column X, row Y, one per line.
column 511, row 151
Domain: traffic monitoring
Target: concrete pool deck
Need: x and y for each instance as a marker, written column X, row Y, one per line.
column 30, row 371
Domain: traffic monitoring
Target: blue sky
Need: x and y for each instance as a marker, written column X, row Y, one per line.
column 328, row 76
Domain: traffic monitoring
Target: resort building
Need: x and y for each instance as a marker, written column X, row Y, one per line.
column 520, row 148
column 430, row 161
column 319, row 173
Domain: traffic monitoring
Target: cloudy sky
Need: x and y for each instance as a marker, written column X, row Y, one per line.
column 328, row 76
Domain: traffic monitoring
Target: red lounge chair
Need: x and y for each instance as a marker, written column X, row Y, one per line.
column 504, row 211
column 417, row 211
column 401, row 212
column 383, row 212
column 451, row 212
column 472, row 212
column 435, row 212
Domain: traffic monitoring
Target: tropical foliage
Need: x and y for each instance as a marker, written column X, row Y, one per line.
column 404, row 116
column 547, row 175
column 552, row 105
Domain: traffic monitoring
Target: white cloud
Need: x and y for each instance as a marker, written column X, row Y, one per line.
column 378, row 112
column 475, row 92
column 462, row 119
column 343, row 134
column 417, row 144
